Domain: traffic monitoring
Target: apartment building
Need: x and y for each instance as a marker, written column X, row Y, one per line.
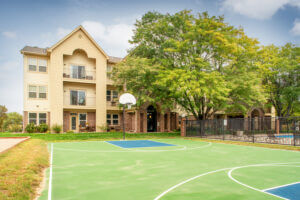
column 67, row 84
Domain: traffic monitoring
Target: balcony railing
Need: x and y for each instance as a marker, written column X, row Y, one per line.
column 87, row 102
column 84, row 75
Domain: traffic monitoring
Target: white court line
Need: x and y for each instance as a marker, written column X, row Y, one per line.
column 50, row 174
column 135, row 151
column 280, row 186
column 295, row 151
column 188, row 180
column 211, row 172
column 253, row 188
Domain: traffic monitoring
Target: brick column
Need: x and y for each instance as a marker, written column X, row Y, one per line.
column 176, row 121
column 162, row 122
column 183, row 127
column 145, row 123
column 168, row 122
column 25, row 120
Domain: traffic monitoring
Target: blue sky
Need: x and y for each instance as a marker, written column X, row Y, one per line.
column 42, row 23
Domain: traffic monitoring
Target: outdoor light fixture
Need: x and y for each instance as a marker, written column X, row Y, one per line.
column 129, row 100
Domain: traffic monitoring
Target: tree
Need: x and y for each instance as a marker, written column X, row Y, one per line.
column 3, row 116
column 197, row 62
column 280, row 67
column 13, row 122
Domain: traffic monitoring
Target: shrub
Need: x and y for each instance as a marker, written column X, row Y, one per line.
column 14, row 128
column 30, row 128
column 56, row 128
column 42, row 128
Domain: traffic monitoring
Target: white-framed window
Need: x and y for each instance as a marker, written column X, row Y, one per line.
column 32, row 63
column 108, row 95
column 42, row 118
column 32, row 118
column 37, row 118
column 42, row 65
column 32, row 91
column 35, row 91
column 42, row 92
column 82, row 119
column 108, row 70
column 111, row 95
column 115, row 119
column 112, row 119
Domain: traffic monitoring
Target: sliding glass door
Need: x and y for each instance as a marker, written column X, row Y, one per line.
column 78, row 72
column 77, row 97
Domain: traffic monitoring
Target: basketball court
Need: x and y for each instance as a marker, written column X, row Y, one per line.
column 170, row 169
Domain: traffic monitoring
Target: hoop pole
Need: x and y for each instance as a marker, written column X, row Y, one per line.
column 123, row 121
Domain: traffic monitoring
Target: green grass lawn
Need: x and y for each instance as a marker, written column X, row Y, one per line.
column 21, row 169
column 52, row 137
column 99, row 170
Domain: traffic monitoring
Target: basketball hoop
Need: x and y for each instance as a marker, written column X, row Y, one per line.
column 129, row 100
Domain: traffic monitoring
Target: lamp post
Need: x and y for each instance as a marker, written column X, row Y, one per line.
column 129, row 100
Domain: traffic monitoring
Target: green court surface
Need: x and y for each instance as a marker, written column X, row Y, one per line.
column 188, row 170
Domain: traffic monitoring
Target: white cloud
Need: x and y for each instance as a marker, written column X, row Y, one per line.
column 62, row 32
column 9, row 34
column 296, row 28
column 258, row 9
column 114, row 38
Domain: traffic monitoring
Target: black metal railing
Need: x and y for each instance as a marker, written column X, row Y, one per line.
column 274, row 130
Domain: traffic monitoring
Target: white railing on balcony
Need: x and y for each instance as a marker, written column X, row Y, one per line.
column 83, row 75
column 89, row 101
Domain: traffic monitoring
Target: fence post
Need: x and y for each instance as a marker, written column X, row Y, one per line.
column 294, row 132
column 277, row 126
column 183, row 127
column 224, row 127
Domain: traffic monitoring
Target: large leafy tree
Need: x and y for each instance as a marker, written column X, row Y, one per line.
column 280, row 67
column 13, row 122
column 3, row 116
column 197, row 62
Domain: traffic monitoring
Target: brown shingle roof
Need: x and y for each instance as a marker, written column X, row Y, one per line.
column 34, row 50
column 114, row 59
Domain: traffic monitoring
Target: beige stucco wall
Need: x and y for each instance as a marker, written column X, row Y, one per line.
column 80, row 58
column 76, row 41
column 35, row 78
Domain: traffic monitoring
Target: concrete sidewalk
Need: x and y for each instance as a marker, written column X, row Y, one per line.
column 6, row 143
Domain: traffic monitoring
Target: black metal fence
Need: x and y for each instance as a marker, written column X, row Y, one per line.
column 261, row 130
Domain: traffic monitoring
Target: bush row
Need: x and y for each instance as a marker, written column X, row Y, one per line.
column 42, row 128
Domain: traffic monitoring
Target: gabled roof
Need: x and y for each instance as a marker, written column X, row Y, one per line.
column 44, row 51
column 114, row 60
column 74, row 31
column 34, row 50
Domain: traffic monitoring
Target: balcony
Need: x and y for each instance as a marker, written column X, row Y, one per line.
column 89, row 102
column 112, row 105
column 82, row 76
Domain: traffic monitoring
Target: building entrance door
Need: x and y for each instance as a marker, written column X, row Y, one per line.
column 74, row 123
column 151, row 119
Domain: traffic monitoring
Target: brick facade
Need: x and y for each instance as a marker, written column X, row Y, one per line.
column 25, row 120
column 66, row 121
